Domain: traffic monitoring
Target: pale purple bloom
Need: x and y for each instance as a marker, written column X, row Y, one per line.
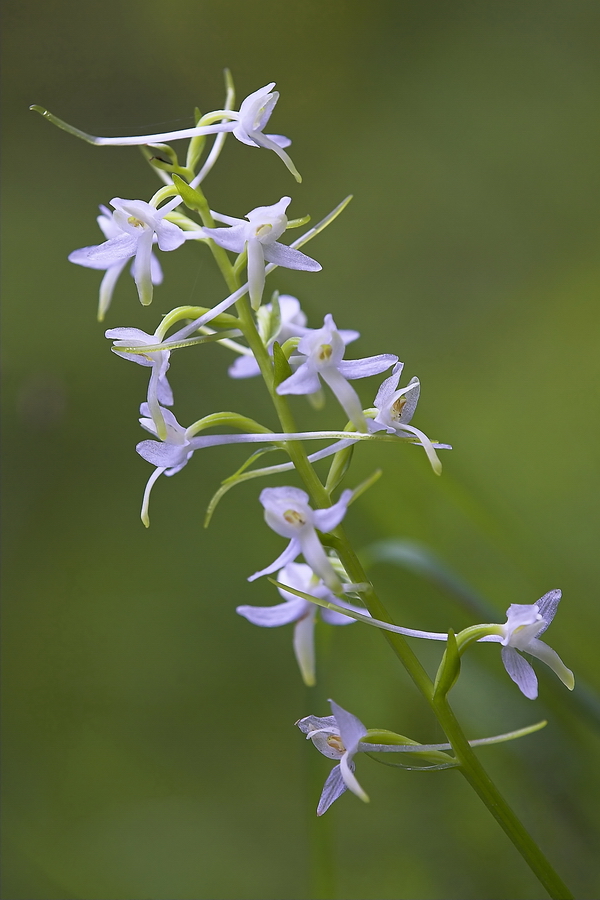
column 395, row 408
column 322, row 356
column 288, row 513
column 293, row 324
column 337, row 737
column 247, row 125
column 111, row 230
column 524, row 624
column 302, row 612
column 159, row 389
column 259, row 237
column 134, row 227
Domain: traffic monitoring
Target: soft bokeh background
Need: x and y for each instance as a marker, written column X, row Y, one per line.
column 149, row 742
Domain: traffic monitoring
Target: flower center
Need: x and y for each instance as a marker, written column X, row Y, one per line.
column 325, row 351
column 397, row 407
column 263, row 230
column 137, row 223
column 336, row 743
column 293, row 517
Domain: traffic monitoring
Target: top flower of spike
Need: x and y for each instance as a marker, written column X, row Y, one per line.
column 247, row 125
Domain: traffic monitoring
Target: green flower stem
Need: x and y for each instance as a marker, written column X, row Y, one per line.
column 480, row 781
column 470, row 766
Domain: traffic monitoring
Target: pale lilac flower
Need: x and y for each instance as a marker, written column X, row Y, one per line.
column 110, row 229
column 135, row 225
column 293, row 324
column 337, row 737
column 322, row 356
column 247, row 125
column 395, row 408
column 302, row 612
column 288, row 513
column 524, row 624
column 159, row 389
column 259, row 237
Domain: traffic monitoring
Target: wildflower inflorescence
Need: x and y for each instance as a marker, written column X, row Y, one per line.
column 270, row 336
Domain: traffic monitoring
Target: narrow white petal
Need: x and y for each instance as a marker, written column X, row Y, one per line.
column 304, row 646
column 334, row 787
column 521, row 672
column 542, row 651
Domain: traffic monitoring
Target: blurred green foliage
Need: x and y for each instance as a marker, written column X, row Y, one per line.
column 149, row 742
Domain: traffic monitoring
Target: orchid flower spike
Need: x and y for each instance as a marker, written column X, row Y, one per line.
column 259, row 237
column 288, row 513
column 524, row 624
column 395, row 408
column 113, row 268
column 321, row 354
column 247, row 125
column 135, row 225
column 292, row 324
column 337, row 737
column 302, row 612
column 159, row 389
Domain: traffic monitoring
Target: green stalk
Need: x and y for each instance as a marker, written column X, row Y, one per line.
column 470, row 766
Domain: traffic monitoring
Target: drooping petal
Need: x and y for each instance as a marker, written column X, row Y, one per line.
column 317, row 559
column 142, row 272
column 289, row 555
column 521, row 672
column 346, row 396
column 304, row 646
column 107, row 286
column 274, row 616
column 256, row 271
column 334, row 787
column 350, row 779
column 282, row 255
column 542, row 651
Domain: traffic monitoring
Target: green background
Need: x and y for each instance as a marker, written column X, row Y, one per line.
column 150, row 748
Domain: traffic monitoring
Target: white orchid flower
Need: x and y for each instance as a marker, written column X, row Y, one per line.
column 258, row 236
column 302, row 612
column 134, row 227
column 112, row 268
column 395, row 408
column 293, row 324
column 247, row 125
column 288, row 513
column 524, row 624
column 337, row 737
column 321, row 355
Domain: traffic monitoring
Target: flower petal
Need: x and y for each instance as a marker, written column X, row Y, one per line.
column 521, row 672
column 542, row 651
column 333, row 788
column 282, row 255
column 304, row 646
column 274, row 616
column 169, row 235
column 351, row 728
column 289, row 555
column 547, row 605
column 370, row 365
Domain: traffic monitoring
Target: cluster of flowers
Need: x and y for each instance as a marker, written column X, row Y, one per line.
column 305, row 358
